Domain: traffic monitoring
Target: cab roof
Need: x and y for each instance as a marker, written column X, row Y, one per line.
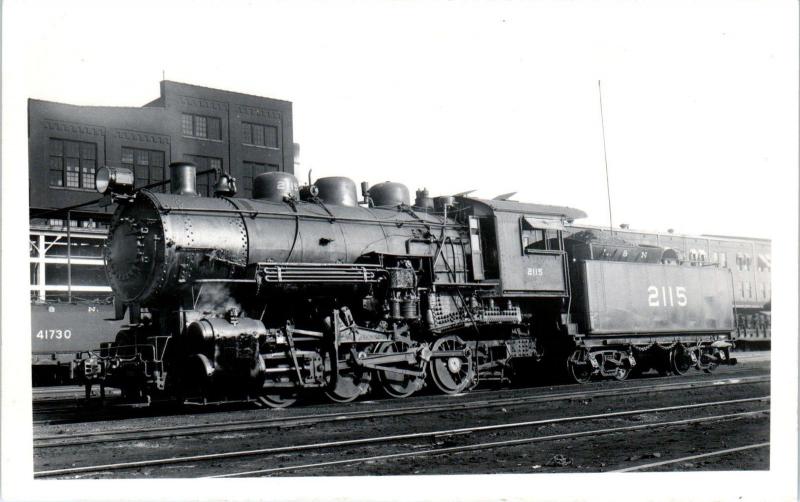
column 511, row 206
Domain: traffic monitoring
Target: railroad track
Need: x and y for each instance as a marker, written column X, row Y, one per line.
column 51, row 395
column 77, row 414
column 518, row 442
column 716, row 453
column 437, row 435
column 97, row 437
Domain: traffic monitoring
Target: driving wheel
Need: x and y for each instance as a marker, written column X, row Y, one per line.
column 451, row 373
column 403, row 383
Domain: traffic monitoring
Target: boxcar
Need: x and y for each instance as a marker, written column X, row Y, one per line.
column 60, row 330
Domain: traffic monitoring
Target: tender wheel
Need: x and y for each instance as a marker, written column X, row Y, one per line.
column 579, row 368
column 397, row 384
column 350, row 381
column 451, row 374
column 622, row 374
column 680, row 360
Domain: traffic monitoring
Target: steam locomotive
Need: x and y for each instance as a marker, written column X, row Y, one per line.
column 313, row 289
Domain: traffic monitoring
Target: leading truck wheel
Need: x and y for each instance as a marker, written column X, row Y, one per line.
column 452, row 373
column 350, row 382
column 277, row 392
column 579, row 367
column 277, row 399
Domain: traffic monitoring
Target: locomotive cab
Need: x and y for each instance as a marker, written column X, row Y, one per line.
column 522, row 246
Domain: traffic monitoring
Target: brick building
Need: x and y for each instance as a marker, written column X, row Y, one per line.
column 241, row 134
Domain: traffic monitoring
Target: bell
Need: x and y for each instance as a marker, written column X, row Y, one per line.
column 225, row 186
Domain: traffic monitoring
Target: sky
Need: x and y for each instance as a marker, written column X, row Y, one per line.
column 699, row 97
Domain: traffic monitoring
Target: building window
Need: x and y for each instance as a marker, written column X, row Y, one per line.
column 249, row 172
column 147, row 166
column 187, row 125
column 200, row 126
column 72, row 163
column 205, row 182
column 260, row 135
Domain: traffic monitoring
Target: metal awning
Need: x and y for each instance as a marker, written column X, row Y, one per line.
column 542, row 223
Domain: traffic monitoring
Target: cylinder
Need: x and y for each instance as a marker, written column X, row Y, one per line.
column 212, row 328
column 390, row 194
column 183, row 178
column 337, row 191
column 275, row 186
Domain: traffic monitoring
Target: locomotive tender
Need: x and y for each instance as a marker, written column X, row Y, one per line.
column 309, row 288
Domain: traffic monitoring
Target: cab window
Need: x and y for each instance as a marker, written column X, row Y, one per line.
column 534, row 238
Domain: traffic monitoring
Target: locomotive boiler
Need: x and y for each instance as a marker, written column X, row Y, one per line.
column 312, row 288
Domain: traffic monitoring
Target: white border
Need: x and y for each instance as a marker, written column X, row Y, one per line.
column 779, row 483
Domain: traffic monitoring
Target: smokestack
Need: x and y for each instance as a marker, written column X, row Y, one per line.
column 183, row 178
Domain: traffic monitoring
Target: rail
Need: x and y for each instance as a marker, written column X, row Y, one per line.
column 60, row 440
column 420, row 436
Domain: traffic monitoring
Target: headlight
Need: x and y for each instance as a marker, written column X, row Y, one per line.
column 113, row 179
